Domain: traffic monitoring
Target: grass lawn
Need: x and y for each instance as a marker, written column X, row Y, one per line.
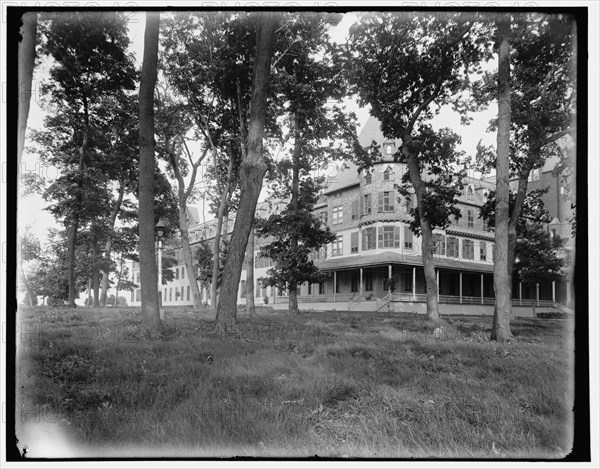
column 328, row 384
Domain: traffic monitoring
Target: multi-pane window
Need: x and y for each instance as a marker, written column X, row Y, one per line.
column 439, row 241
column 389, row 237
column 369, row 238
column 262, row 261
column 386, row 201
column 366, row 204
column 470, row 218
column 354, row 242
column 321, row 288
column 170, row 293
column 183, row 272
column 188, row 293
column 354, row 282
column 467, row 250
column 337, row 246
column 482, row 250
column 309, row 288
column 137, row 294
column 452, row 247
column 321, row 253
column 389, row 148
column 368, row 178
column 176, row 273
column 337, row 215
column 323, row 216
column 486, row 225
column 355, row 210
column 242, row 289
column 408, row 238
column 368, row 281
column 470, row 193
column 388, row 174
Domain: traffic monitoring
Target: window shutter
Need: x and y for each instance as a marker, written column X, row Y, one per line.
column 380, row 237
column 396, row 236
column 408, row 237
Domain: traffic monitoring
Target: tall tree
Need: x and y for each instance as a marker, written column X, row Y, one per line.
column 402, row 66
column 148, row 273
column 173, row 128
column 90, row 62
column 252, row 171
column 308, row 79
column 502, row 288
column 26, row 61
column 543, row 94
column 207, row 59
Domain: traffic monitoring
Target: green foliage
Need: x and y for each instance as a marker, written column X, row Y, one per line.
column 295, row 236
column 533, row 210
column 444, row 172
column 203, row 262
column 540, row 257
column 396, row 63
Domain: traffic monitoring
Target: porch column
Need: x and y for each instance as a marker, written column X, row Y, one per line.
column 568, row 293
column 521, row 293
column 334, row 284
column 460, row 286
column 553, row 291
column 437, row 276
column 389, row 279
column 537, row 293
column 361, row 282
column 414, row 285
column 481, row 288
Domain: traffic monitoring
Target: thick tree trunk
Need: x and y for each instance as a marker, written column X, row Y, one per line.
column 217, row 243
column 108, row 247
column 426, row 232
column 250, row 306
column 149, row 275
column 292, row 287
column 95, row 272
column 187, row 254
column 252, row 172
column 26, row 61
column 503, row 306
column 77, row 209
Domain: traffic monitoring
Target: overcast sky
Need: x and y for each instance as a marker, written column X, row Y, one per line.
column 31, row 208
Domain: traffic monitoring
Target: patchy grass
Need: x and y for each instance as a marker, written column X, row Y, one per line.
column 327, row 384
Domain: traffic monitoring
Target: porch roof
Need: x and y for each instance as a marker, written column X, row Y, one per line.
column 394, row 258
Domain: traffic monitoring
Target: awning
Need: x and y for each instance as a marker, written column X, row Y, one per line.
column 394, row 258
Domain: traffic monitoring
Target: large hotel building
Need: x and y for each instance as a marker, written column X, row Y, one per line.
column 374, row 243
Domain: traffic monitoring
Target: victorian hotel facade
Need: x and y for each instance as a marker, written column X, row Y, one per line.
column 374, row 243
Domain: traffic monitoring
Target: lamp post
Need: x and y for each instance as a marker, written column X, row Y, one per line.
column 160, row 231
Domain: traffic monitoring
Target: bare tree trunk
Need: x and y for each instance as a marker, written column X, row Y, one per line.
column 426, row 232
column 250, row 306
column 77, row 209
column 95, row 271
column 252, row 171
column 217, row 242
column 108, row 247
column 503, row 306
column 292, row 287
column 26, row 62
column 148, row 272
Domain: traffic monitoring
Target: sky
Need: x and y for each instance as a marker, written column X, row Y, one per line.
column 39, row 220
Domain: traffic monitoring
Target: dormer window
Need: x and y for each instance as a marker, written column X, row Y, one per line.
column 470, row 193
column 388, row 148
column 368, row 178
column 486, row 194
column 388, row 174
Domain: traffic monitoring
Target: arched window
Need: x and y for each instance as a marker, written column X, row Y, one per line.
column 389, row 148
